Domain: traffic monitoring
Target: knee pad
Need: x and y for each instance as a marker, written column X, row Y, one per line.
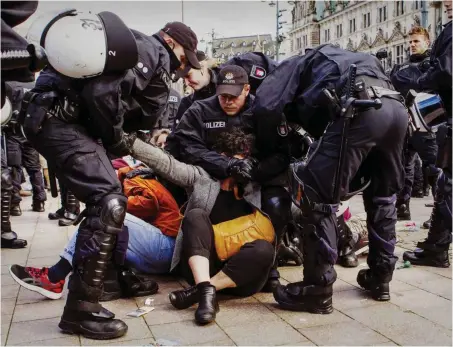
column 113, row 212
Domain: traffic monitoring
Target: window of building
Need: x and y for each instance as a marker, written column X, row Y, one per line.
column 382, row 14
column 399, row 50
column 399, row 8
column 327, row 35
column 298, row 43
column 367, row 20
column 417, row 5
column 352, row 27
column 305, row 40
column 339, row 30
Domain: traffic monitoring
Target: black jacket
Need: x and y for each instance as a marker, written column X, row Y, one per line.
column 167, row 120
column 126, row 101
column 295, row 88
column 402, row 75
column 196, row 134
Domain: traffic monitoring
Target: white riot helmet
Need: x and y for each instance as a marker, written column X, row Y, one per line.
column 84, row 44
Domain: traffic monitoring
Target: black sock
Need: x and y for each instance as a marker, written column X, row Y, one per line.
column 60, row 270
column 203, row 284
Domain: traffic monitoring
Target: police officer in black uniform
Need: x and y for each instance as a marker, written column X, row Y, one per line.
column 433, row 251
column 374, row 145
column 68, row 117
column 421, row 142
column 168, row 118
column 21, row 153
column 17, row 64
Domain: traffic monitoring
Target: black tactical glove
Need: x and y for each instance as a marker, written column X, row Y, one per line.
column 145, row 173
column 124, row 146
column 241, row 170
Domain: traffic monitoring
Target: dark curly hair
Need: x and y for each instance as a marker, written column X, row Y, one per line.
column 235, row 141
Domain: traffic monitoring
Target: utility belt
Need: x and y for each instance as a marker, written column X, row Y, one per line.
column 369, row 88
column 39, row 107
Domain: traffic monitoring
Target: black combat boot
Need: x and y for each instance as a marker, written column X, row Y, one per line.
column 207, row 304
column 83, row 314
column 112, row 289
column 15, row 210
column 9, row 237
column 72, row 210
column 57, row 214
column 427, row 224
column 38, row 206
column 135, row 284
column 184, row 298
column 427, row 258
column 272, row 280
column 402, row 210
column 379, row 287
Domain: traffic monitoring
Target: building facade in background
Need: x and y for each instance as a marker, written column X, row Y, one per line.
column 365, row 26
column 226, row 48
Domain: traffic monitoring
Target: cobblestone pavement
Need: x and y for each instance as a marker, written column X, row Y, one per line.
column 419, row 312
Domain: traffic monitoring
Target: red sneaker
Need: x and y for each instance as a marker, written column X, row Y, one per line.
column 37, row 280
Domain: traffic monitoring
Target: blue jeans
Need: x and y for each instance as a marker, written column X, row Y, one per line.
column 148, row 251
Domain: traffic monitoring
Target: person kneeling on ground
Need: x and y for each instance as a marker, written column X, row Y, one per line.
column 153, row 222
column 226, row 240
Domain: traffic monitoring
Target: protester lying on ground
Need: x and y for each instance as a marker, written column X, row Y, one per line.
column 226, row 240
column 153, row 222
column 160, row 137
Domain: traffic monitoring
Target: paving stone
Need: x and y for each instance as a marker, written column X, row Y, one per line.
column 340, row 285
column 404, row 328
column 7, row 318
column 40, row 310
column 233, row 314
column 63, row 341
column 427, row 305
column 137, row 330
column 161, row 298
column 10, row 292
column 305, row 319
column 188, row 333
column 441, row 287
column 7, row 306
column 343, row 334
column 7, row 280
column 140, row 342
column 4, row 333
column 27, row 297
column 445, row 272
column 265, row 298
column 18, row 257
column 39, row 253
column 37, row 330
column 262, row 333
column 224, row 342
column 5, row 269
column 352, row 299
column 121, row 307
column 166, row 313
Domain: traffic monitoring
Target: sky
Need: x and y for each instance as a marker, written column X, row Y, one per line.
column 227, row 18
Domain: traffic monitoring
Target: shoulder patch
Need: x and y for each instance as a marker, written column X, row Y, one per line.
column 258, row 72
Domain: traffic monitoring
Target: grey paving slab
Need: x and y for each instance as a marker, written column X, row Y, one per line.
column 10, row 291
column 427, row 305
column 16, row 256
column 7, row 280
column 62, row 341
column 446, row 272
column 262, row 333
column 27, row 297
column 343, row 334
column 140, row 342
column 7, row 306
column 242, row 313
column 188, row 333
column 137, row 330
column 402, row 327
column 43, row 261
column 161, row 298
column 40, row 310
column 166, row 313
column 37, row 330
column 305, row 319
column 225, row 342
column 353, row 299
column 4, row 333
column 121, row 307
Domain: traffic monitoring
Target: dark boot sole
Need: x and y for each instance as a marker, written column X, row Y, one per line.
column 378, row 296
column 14, row 244
column 201, row 321
column 306, row 307
column 431, row 263
column 110, row 296
column 16, row 214
column 75, row 328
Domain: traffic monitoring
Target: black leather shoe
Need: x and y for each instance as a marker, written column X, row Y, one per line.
column 403, row 212
column 272, row 281
column 10, row 240
column 304, row 298
column 93, row 326
column 38, row 206
column 207, row 305
column 427, row 258
column 135, row 284
column 15, row 210
column 379, row 290
column 349, row 260
column 57, row 214
column 184, row 298
column 427, row 224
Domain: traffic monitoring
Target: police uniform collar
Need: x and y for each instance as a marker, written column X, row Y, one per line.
column 449, row 22
column 174, row 61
